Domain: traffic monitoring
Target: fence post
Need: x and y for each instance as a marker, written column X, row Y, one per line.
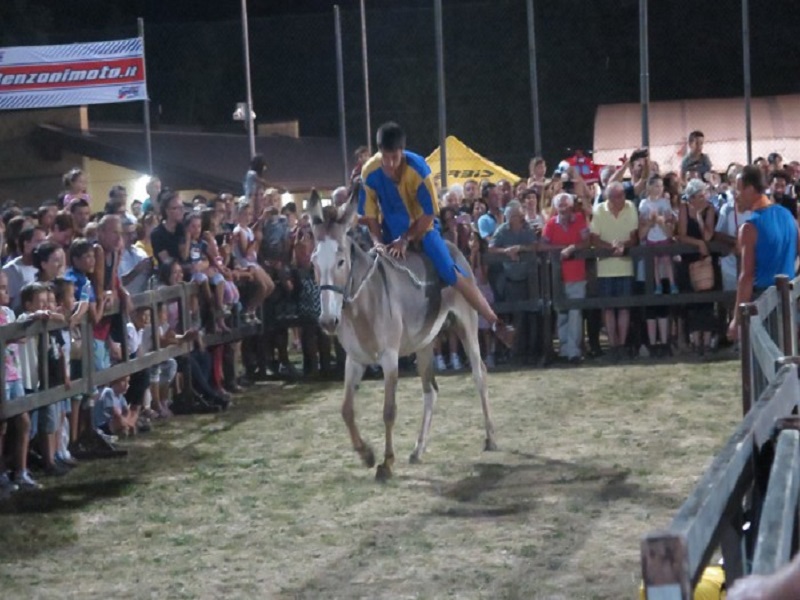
column 787, row 338
column 745, row 310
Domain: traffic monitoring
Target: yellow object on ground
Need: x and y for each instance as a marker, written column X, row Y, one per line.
column 710, row 587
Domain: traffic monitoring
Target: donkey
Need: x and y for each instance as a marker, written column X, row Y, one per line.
column 382, row 309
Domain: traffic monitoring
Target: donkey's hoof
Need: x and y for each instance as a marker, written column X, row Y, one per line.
column 367, row 457
column 490, row 445
column 414, row 459
column 383, row 473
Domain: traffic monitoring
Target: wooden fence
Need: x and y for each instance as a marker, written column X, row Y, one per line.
column 746, row 503
column 90, row 376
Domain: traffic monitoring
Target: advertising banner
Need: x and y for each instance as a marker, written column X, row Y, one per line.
column 72, row 74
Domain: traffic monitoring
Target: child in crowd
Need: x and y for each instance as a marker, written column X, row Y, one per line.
column 245, row 251
column 139, row 381
column 21, row 478
column 82, row 263
column 112, row 415
column 65, row 305
column 657, row 228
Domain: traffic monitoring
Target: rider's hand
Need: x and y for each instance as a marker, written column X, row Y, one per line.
column 397, row 249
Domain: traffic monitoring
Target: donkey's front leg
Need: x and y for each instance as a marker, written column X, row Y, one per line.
column 390, row 375
column 353, row 372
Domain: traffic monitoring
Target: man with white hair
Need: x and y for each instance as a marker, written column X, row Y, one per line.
column 615, row 227
column 339, row 197
column 568, row 231
column 454, row 196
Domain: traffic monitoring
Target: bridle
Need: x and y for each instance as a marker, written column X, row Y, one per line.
column 337, row 289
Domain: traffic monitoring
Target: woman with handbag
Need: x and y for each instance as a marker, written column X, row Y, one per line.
column 696, row 221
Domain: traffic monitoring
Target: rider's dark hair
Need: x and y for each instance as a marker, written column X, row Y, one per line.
column 391, row 137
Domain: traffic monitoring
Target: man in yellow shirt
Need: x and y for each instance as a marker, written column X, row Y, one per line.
column 399, row 205
column 615, row 226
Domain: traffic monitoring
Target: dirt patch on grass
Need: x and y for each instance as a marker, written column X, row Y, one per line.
column 269, row 501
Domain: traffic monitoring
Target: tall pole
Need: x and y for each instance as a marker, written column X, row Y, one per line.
column 437, row 10
column 537, row 131
column 748, row 126
column 365, row 65
column 148, row 142
column 251, row 132
column 644, row 67
column 340, row 88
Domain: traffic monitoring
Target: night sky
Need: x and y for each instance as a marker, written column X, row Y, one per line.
column 587, row 52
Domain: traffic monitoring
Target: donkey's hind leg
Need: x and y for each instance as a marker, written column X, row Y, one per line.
column 353, row 372
column 466, row 326
column 429, row 392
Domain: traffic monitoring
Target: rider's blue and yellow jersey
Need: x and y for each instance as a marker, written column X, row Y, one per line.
column 398, row 205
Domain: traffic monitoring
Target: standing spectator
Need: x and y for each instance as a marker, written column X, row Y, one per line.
column 537, row 175
column 151, row 203
column 533, row 213
column 135, row 267
column 696, row 227
column 471, row 190
column 615, row 227
column 656, row 228
column 147, row 224
column 778, row 183
column 339, row 197
column 136, row 208
column 21, row 271
column 727, row 231
column 169, row 237
column 568, row 231
column 695, row 161
column 81, row 215
column 62, row 230
column 768, row 241
column 511, row 238
column 493, row 217
column 639, row 165
column 255, row 179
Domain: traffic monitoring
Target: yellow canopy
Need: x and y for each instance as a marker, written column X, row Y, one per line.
column 463, row 163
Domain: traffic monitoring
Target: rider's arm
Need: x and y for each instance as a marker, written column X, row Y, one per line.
column 374, row 230
column 419, row 228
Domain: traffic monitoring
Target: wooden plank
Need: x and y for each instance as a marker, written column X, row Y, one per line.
column 31, row 402
column 697, row 524
column 562, row 303
column 764, row 349
column 774, row 544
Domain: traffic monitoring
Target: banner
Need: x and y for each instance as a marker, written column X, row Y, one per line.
column 72, row 74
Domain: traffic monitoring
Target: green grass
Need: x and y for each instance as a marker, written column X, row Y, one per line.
column 269, row 501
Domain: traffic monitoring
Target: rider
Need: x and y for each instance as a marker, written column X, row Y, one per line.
column 398, row 202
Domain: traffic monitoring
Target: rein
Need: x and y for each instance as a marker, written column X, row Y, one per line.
column 346, row 297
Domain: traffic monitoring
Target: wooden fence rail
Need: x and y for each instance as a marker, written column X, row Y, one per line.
column 751, row 481
column 92, row 378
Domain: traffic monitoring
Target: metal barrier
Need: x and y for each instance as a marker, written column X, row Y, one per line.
column 91, row 378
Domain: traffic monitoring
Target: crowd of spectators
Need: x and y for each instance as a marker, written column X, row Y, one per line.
column 633, row 204
column 251, row 256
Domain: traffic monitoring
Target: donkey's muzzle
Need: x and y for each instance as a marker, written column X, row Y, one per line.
column 329, row 324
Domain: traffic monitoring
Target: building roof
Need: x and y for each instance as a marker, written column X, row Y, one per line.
column 212, row 161
column 775, row 128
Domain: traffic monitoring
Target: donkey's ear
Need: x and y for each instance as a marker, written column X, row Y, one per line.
column 314, row 207
column 351, row 209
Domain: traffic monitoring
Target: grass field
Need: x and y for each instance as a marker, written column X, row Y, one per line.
column 269, row 501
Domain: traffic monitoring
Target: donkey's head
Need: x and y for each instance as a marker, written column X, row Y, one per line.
column 332, row 257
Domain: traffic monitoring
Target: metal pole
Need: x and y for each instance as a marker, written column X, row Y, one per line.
column 364, row 63
column 644, row 66
column 437, row 10
column 251, row 133
column 748, row 129
column 537, row 131
column 340, row 86
column 148, row 143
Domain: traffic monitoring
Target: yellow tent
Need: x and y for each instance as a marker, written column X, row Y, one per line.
column 464, row 163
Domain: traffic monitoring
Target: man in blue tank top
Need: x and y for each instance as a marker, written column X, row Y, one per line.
column 768, row 241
